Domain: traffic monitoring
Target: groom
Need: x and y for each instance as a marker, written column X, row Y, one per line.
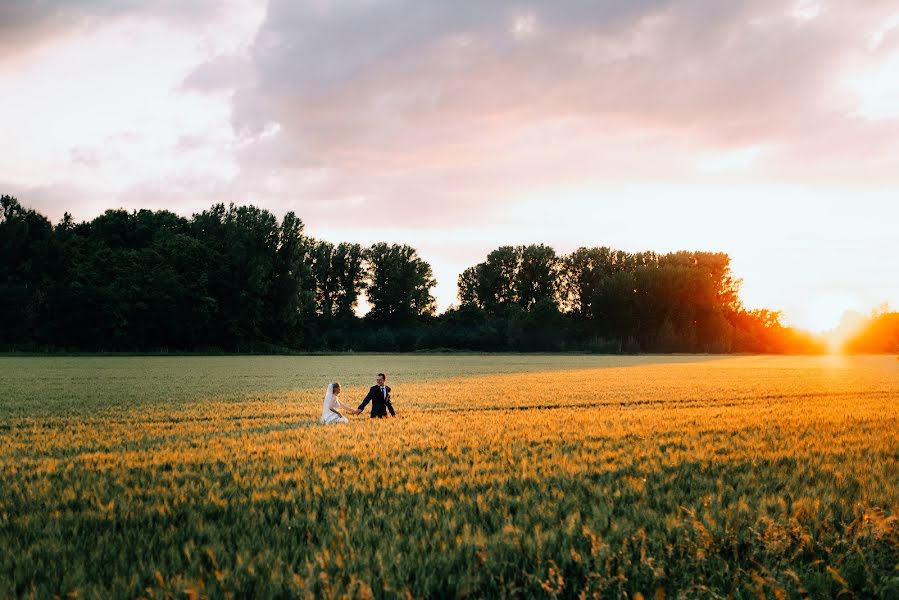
column 379, row 396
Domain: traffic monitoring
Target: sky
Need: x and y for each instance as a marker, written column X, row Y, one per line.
column 767, row 130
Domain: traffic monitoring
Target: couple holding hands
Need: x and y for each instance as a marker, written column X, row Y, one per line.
column 378, row 395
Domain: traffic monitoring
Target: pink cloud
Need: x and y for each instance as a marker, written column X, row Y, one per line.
column 456, row 107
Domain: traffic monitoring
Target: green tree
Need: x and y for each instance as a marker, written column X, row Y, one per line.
column 339, row 276
column 468, row 287
column 491, row 284
column 614, row 307
column 399, row 285
column 28, row 251
column 348, row 267
column 244, row 241
column 581, row 273
column 537, row 277
column 291, row 295
column 497, row 277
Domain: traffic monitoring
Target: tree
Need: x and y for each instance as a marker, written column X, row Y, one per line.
column 399, row 285
column 244, row 241
column 291, row 297
column 878, row 334
column 348, row 266
column 537, row 277
column 28, row 250
column 339, row 275
column 326, row 285
column 614, row 307
column 234, row 277
column 580, row 274
column 468, row 287
column 522, row 275
column 491, row 284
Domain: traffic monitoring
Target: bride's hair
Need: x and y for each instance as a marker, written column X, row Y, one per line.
column 335, row 387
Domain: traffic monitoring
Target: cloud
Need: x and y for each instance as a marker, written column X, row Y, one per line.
column 428, row 106
column 221, row 73
column 85, row 156
column 25, row 24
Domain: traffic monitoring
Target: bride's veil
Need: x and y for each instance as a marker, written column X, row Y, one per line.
column 329, row 398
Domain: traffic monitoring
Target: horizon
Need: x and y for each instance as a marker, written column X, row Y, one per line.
column 469, row 127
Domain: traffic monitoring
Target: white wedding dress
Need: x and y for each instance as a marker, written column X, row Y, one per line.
column 331, row 404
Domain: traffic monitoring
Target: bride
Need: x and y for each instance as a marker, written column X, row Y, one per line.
column 330, row 412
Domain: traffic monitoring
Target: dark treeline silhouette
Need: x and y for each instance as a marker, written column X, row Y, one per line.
column 236, row 279
column 605, row 300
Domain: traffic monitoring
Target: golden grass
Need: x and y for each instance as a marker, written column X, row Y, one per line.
column 558, row 475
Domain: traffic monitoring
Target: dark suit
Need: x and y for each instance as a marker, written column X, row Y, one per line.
column 380, row 402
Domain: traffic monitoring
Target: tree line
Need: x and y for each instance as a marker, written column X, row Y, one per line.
column 236, row 279
column 878, row 334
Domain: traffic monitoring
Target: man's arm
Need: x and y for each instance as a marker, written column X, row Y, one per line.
column 390, row 404
column 368, row 398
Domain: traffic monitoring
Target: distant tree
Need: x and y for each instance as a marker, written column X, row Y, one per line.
column 348, row 266
column 327, row 286
column 600, row 275
column 28, row 251
column 183, row 310
column 468, row 287
column 291, row 297
column 399, row 284
column 581, row 272
column 495, row 279
column 544, row 327
column 244, row 241
column 339, row 275
column 613, row 308
column 879, row 334
column 235, row 278
column 762, row 330
column 537, row 277
column 466, row 327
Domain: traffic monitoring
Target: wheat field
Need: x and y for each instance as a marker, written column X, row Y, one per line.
column 503, row 476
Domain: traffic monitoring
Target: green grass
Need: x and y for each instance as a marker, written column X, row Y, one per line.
column 37, row 386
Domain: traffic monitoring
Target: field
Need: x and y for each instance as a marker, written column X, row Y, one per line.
column 504, row 476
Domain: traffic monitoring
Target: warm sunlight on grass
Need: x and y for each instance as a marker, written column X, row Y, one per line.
column 505, row 476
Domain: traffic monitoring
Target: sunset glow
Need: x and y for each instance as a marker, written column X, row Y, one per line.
column 766, row 130
column 449, row 298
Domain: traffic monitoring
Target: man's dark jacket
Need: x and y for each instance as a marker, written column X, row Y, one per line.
column 380, row 402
